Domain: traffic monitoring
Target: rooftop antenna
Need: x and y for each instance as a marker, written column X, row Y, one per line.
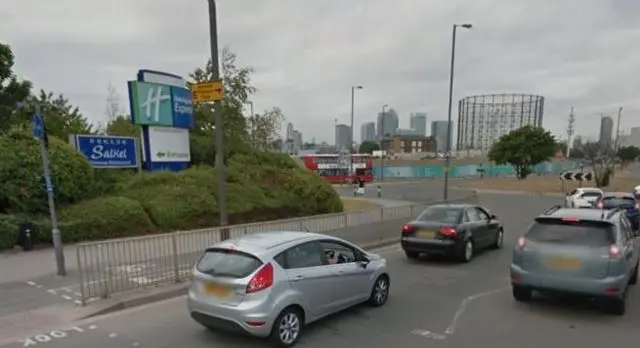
column 570, row 131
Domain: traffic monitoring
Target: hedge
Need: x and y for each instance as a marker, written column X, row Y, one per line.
column 21, row 174
column 260, row 187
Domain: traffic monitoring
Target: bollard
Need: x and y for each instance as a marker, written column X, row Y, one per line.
column 379, row 191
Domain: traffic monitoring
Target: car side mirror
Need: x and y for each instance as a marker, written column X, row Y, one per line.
column 494, row 217
column 363, row 261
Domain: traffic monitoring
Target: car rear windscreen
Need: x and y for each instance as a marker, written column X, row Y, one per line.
column 615, row 202
column 592, row 194
column 445, row 215
column 582, row 233
column 228, row 263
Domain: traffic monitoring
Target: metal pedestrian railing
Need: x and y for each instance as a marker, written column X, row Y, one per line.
column 120, row 265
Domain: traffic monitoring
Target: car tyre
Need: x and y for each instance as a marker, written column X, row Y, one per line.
column 497, row 244
column 411, row 254
column 616, row 306
column 468, row 249
column 287, row 328
column 521, row 294
column 380, row 291
column 634, row 276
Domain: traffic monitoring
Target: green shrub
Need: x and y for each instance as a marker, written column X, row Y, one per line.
column 100, row 218
column 22, row 188
column 8, row 231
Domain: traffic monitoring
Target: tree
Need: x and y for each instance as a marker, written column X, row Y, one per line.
column 237, row 89
column 523, row 148
column 601, row 158
column 562, row 147
column 368, row 147
column 264, row 129
column 628, row 154
column 121, row 126
column 13, row 92
column 61, row 118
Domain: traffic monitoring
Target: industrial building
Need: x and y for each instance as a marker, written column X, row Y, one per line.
column 483, row 119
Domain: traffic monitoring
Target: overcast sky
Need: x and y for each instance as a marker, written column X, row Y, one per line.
column 307, row 54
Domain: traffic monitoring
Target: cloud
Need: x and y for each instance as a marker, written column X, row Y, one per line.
column 308, row 54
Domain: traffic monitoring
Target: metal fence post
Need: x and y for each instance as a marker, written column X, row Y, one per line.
column 345, row 224
column 174, row 256
column 80, row 274
column 381, row 214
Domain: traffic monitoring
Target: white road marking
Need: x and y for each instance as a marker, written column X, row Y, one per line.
column 92, row 327
column 32, row 283
column 52, row 335
column 112, row 335
column 135, row 344
column 428, row 334
column 463, row 306
column 68, row 298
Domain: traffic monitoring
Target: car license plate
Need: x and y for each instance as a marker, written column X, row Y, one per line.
column 216, row 290
column 427, row 234
column 564, row 263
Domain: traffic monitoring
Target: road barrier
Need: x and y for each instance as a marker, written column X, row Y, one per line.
column 121, row 265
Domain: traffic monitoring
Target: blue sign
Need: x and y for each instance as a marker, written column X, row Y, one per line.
column 182, row 107
column 108, row 151
column 37, row 126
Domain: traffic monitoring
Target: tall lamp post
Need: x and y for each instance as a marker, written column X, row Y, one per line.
column 218, row 121
column 448, row 154
column 382, row 151
column 353, row 90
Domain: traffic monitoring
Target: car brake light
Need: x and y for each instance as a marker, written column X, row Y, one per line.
column 407, row 228
column 570, row 219
column 448, row 231
column 262, row 280
column 521, row 242
column 614, row 251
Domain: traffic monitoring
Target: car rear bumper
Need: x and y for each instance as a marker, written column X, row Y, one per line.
column 609, row 286
column 229, row 318
column 433, row 246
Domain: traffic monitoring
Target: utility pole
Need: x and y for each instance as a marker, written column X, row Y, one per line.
column 382, row 151
column 570, row 131
column 353, row 90
column 615, row 147
column 217, row 115
column 40, row 132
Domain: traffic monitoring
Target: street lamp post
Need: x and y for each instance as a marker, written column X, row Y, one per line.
column 217, row 115
column 353, row 90
column 382, row 151
column 448, row 154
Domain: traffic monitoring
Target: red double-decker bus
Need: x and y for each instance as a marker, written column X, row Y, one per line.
column 335, row 168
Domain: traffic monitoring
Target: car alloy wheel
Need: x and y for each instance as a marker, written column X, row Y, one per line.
column 499, row 239
column 381, row 291
column 289, row 328
column 468, row 250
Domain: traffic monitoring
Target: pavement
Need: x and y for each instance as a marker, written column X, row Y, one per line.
column 433, row 303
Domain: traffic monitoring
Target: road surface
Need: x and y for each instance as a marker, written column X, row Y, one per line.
column 433, row 304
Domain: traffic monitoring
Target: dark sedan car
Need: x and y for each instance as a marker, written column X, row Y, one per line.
column 624, row 200
column 456, row 230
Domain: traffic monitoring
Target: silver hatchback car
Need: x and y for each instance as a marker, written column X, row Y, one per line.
column 271, row 284
column 591, row 252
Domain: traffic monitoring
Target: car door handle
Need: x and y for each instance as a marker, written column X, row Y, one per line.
column 297, row 278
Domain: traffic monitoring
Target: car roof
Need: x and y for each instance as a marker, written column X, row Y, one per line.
column 589, row 189
column 619, row 194
column 264, row 242
column 452, row 205
column 583, row 214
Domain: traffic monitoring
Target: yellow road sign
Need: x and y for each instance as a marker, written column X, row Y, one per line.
column 207, row 91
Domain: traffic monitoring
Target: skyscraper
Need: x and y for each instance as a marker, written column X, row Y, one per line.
column 418, row 121
column 387, row 123
column 439, row 132
column 343, row 134
column 368, row 132
column 606, row 132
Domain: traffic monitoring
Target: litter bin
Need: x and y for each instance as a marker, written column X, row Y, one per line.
column 27, row 236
